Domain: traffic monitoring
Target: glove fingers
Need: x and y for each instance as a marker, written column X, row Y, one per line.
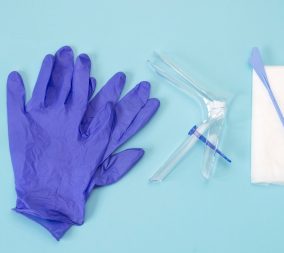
column 16, row 120
column 129, row 106
column 98, row 133
column 92, row 87
column 81, row 80
column 61, row 77
column 116, row 166
column 39, row 91
column 142, row 118
column 15, row 95
column 110, row 93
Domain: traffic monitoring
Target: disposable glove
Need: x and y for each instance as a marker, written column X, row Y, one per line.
column 58, row 157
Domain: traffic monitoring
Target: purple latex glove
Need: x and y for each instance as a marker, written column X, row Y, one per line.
column 44, row 136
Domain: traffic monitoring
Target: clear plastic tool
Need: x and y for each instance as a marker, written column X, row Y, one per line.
column 214, row 107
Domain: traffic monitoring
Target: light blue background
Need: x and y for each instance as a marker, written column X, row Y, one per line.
column 211, row 39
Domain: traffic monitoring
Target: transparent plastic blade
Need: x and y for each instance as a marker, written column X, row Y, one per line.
column 178, row 154
column 186, row 77
column 210, row 156
column 172, row 80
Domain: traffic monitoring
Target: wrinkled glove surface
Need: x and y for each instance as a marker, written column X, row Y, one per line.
column 62, row 143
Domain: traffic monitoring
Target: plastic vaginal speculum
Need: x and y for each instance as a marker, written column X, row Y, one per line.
column 212, row 126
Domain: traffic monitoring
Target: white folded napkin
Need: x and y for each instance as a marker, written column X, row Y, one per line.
column 267, row 136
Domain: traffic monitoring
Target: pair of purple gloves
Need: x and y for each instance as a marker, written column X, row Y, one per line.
column 62, row 142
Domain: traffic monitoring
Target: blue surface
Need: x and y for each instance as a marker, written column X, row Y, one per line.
column 213, row 40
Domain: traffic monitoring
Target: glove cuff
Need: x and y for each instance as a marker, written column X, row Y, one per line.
column 55, row 228
column 46, row 209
